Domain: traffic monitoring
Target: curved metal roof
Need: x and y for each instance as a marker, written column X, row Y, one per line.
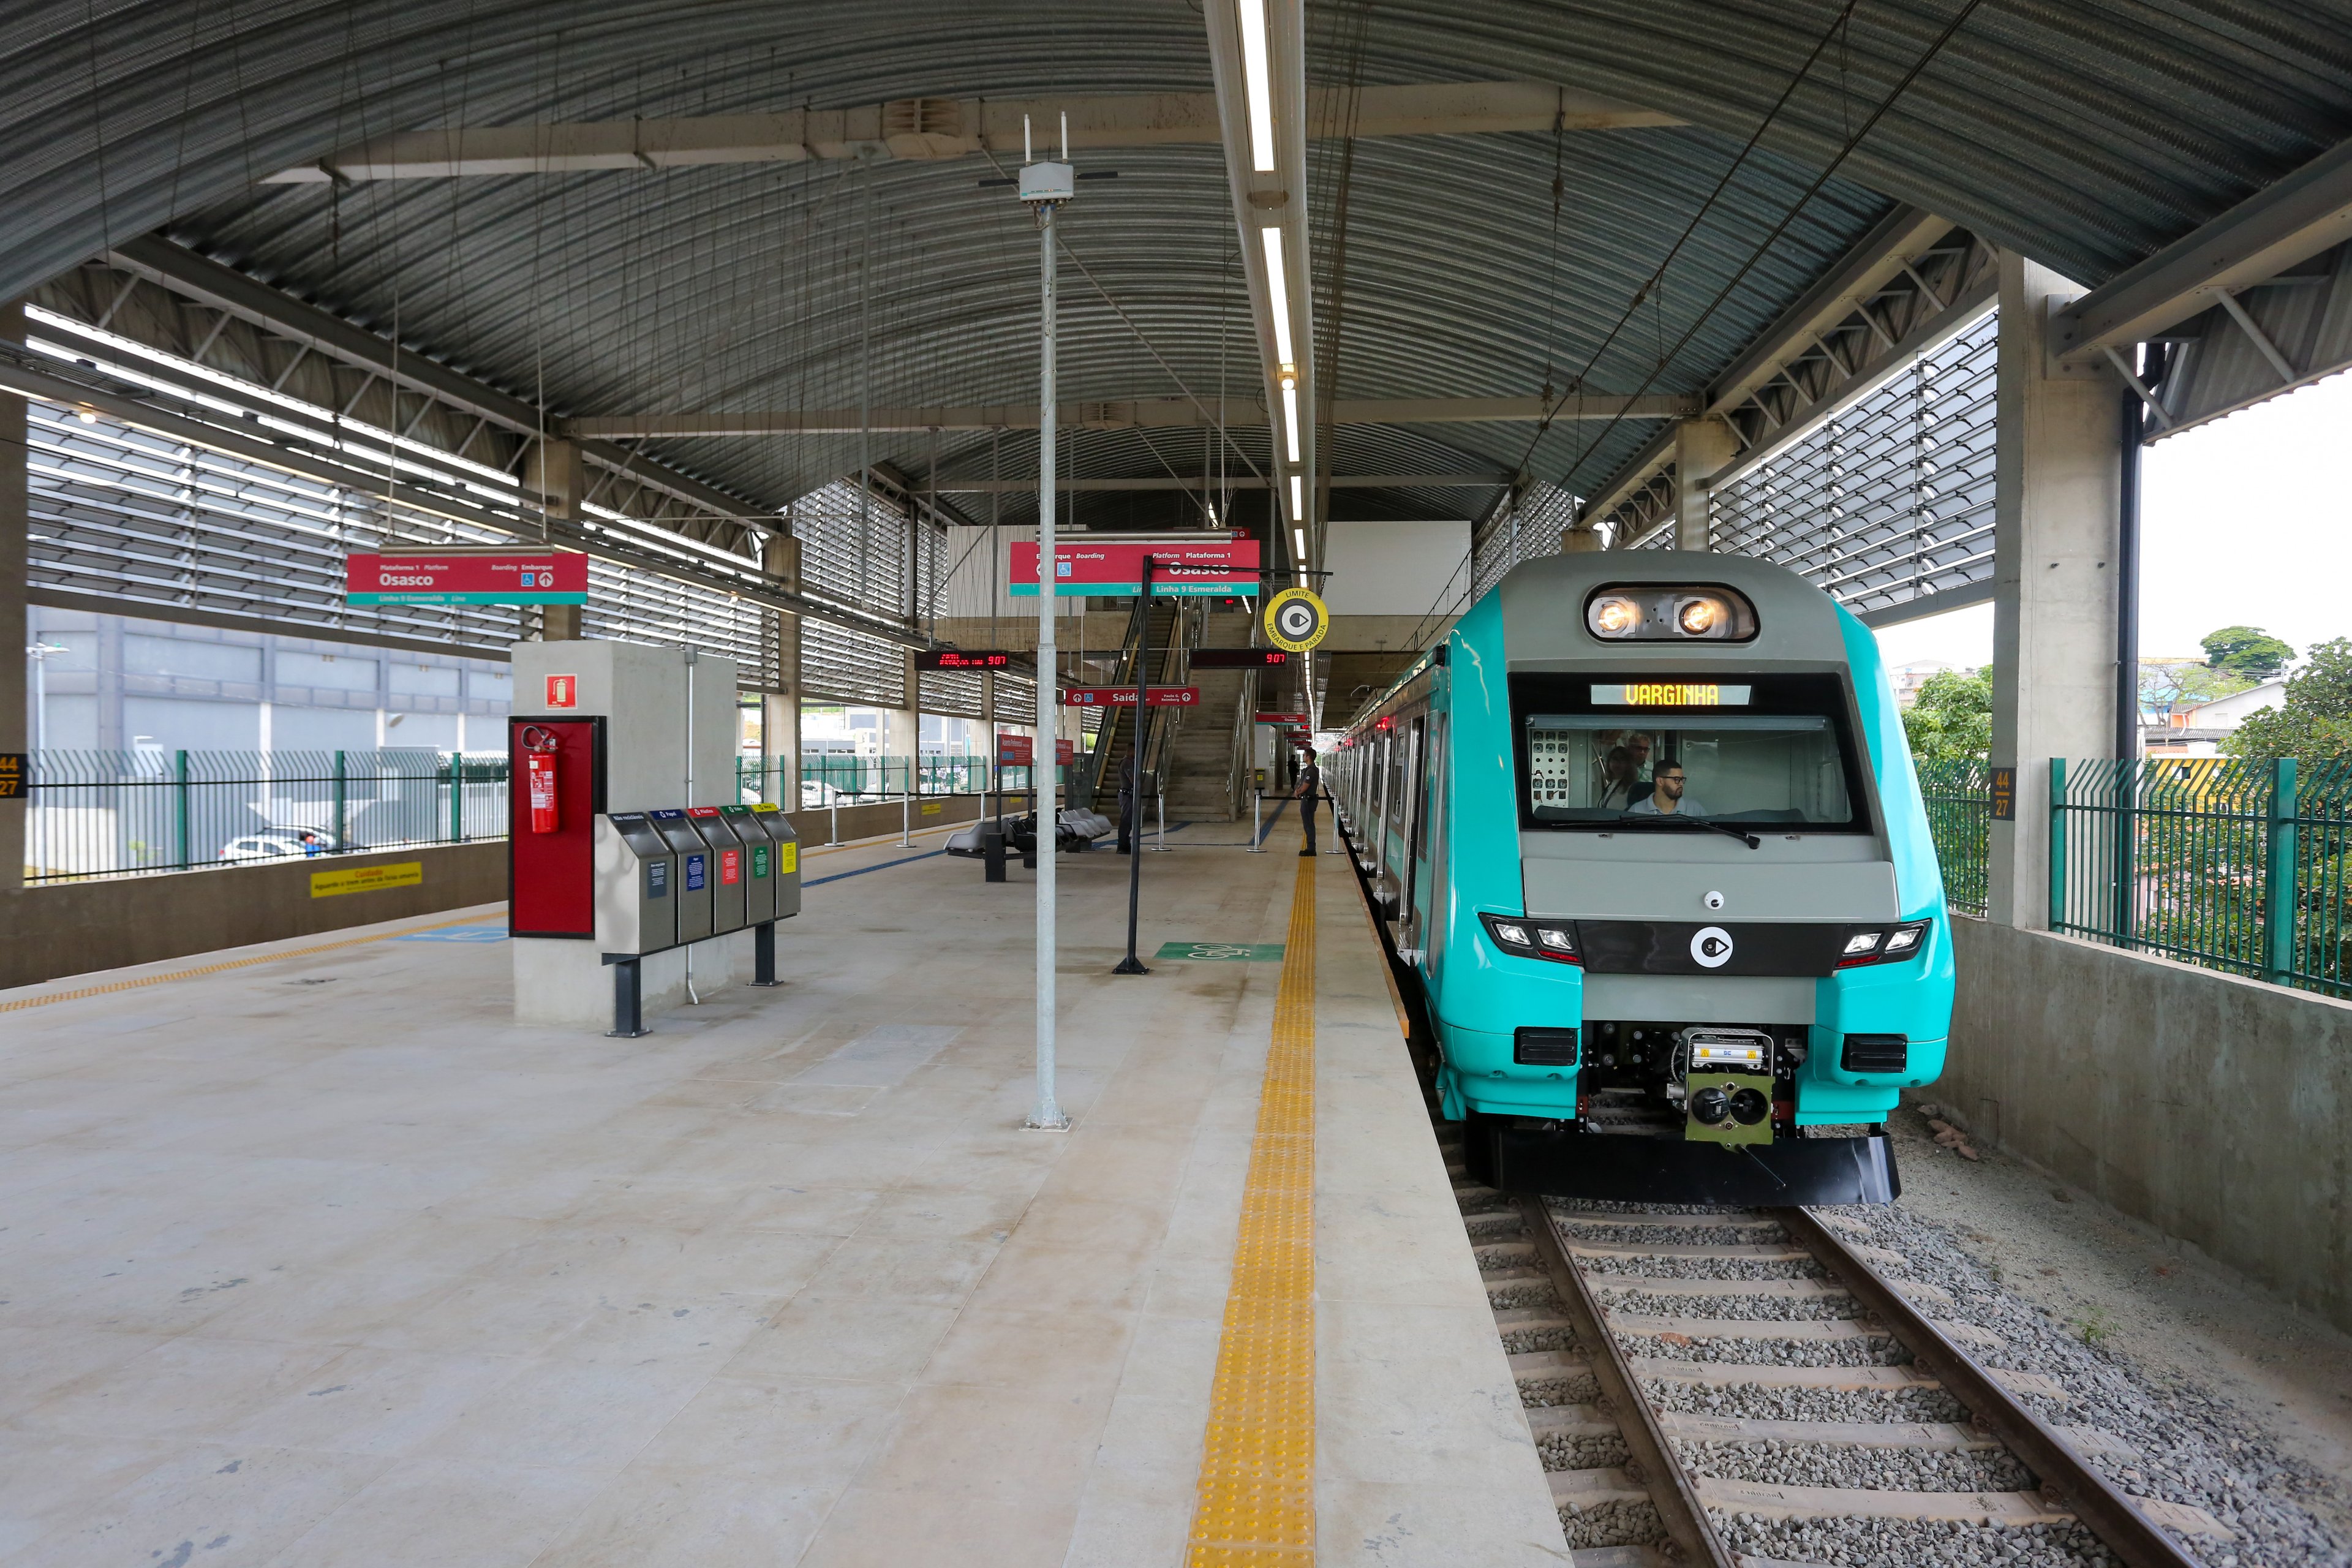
column 2085, row 135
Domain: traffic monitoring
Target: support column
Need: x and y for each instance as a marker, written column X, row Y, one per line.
column 14, row 505
column 779, row 707
column 1703, row 448
column 903, row 730
column 556, row 477
column 2056, row 494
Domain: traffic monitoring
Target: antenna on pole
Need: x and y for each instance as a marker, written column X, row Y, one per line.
column 1026, row 155
column 1066, row 136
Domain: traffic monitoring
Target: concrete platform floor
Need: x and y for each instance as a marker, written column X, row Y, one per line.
column 320, row 1260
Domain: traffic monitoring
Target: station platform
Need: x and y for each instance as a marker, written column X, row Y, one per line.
column 313, row 1256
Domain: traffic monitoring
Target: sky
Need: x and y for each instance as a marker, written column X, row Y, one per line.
column 2245, row 521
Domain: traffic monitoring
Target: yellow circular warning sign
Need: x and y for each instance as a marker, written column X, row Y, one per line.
column 1295, row 620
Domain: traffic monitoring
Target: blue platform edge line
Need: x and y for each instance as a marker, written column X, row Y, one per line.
column 455, row 933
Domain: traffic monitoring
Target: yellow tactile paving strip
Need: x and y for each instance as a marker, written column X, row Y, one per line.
column 111, row 986
column 1257, row 1461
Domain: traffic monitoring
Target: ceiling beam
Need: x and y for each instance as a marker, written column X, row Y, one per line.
column 1133, row 413
column 924, row 128
column 1174, row 482
column 2289, row 221
column 199, row 277
column 1895, row 243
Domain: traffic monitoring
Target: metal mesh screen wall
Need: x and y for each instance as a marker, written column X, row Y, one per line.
column 954, row 692
column 159, row 524
column 1016, row 701
column 1891, row 498
column 1533, row 529
column 842, row 666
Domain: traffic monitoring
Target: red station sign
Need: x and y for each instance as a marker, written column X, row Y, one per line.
column 1282, row 718
column 1014, row 750
column 1213, row 568
column 1124, row 696
column 465, row 575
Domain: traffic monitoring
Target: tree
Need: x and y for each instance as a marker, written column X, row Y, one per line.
column 1951, row 720
column 2169, row 685
column 2247, row 651
column 2316, row 722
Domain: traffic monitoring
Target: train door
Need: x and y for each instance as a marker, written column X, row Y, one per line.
column 1417, row 852
column 1433, row 840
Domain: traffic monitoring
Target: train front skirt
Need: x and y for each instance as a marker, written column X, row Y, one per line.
column 1561, row 1162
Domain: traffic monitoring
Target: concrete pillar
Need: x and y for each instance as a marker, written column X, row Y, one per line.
column 1580, row 536
column 902, row 727
column 555, row 476
column 1703, row 448
column 13, row 733
column 780, row 709
column 2057, row 489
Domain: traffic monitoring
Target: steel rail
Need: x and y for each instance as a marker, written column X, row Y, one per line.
column 2108, row 1512
column 1654, row 1466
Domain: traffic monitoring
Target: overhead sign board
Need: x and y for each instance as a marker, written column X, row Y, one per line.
column 962, row 658
column 467, row 576
column 1124, row 696
column 1214, row 568
column 1240, row 658
column 1295, row 620
column 1282, row 719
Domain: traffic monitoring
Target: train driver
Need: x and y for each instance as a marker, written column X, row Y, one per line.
column 1665, row 797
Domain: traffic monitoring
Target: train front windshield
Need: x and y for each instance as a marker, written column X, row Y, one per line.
column 1612, row 753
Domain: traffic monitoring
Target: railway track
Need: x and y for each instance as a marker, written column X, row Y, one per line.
column 1760, row 1388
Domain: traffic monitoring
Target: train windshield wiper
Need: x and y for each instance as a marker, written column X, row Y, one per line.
column 1677, row 820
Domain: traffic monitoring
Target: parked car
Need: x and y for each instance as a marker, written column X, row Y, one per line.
column 284, row 842
column 816, row 794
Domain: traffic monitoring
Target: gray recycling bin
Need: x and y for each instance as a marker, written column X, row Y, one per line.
column 636, row 887
column 696, row 873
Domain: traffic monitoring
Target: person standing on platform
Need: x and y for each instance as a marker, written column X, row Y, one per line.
column 1310, row 784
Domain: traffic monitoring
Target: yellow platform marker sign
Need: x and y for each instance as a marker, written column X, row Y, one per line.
column 366, row 879
column 1257, row 1500
column 934, row 808
column 788, row 857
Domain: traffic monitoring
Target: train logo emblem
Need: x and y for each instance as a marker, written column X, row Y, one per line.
column 1711, row 947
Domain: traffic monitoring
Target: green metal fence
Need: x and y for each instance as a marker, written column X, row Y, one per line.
column 829, row 778
column 1960, row 818
column 111, row 813
column 2231, row 865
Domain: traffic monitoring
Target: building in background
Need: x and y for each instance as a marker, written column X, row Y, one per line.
column 1909, row 678
column 116, row 683
column 2199, row 730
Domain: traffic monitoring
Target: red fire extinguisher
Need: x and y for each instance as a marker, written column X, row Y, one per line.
column 540, row 744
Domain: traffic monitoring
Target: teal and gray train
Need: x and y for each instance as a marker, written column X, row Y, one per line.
column 1646, row 833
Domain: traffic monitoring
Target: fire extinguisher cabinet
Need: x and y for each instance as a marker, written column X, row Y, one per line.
column 551, row 832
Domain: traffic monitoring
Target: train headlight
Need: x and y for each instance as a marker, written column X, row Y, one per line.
column 1698, row 617
column 1555, row 940
column 1643, row 612
column 1613, row 617
column 1906, row 940
column 1884, row 945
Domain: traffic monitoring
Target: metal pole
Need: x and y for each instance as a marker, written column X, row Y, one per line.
column 905, row 809
column 1131, row 824
column 1257, row 830
column 1048, row 1112
column 1159, row 806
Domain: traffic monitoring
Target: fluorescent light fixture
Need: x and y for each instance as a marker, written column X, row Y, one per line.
column 1259, row 82
column 1278, row 288
column 1290, row 419
column 1298, row 539
column 1298, row 499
